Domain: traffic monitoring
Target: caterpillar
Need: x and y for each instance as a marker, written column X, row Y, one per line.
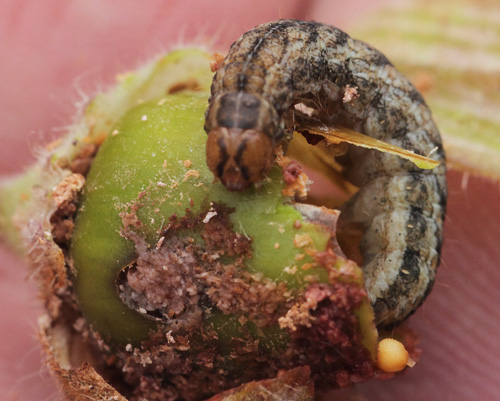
column 400, row 207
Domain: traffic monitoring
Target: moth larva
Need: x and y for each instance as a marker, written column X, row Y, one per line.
column 400, row 207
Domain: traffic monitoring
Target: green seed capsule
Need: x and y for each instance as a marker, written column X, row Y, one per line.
column 155, row 161
column 169, row 266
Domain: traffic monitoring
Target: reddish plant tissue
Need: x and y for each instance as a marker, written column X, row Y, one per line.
column 194, row 283
column 292, row 172
column 335, row 331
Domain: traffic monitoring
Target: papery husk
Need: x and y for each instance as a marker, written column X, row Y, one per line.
column 63, row 346
column 77, row 383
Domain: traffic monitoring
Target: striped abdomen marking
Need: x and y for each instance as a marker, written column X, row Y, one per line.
column 401, row 208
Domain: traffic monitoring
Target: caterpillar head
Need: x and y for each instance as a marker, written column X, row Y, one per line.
column 239, row 157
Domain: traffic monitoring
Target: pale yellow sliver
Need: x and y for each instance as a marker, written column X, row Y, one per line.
column 341, row 134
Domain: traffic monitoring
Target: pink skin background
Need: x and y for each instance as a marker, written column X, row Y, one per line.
column 53, row 52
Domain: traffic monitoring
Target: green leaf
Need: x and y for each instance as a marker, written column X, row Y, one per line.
column 451, row 51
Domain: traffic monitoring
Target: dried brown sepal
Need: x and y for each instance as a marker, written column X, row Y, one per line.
column 65, row 196
column 290, row 385
column 46, row 230
column 46, row 258
column 77, row 384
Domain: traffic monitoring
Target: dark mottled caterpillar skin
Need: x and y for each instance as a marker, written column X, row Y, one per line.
column 401, row 207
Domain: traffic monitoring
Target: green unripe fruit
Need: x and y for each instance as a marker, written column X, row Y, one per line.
column 181, row 283
column 155, row 157
column 171, row 268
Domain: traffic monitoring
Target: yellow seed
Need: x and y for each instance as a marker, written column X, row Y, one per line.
column 391, row 355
